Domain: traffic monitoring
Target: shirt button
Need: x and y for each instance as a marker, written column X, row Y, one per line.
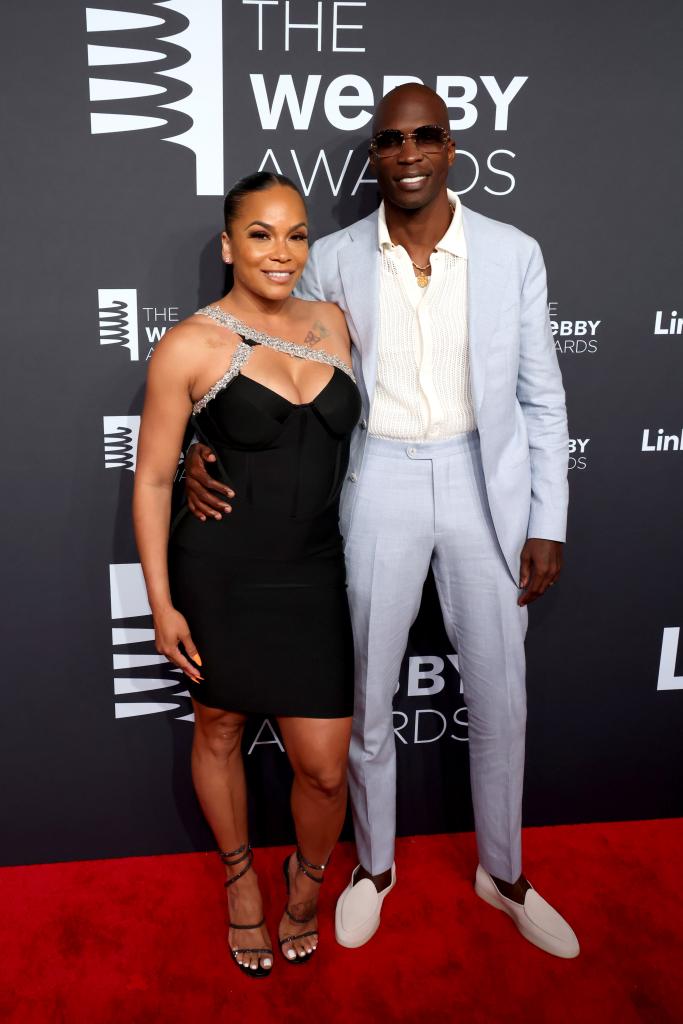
column 353, row 477
column 412, row 452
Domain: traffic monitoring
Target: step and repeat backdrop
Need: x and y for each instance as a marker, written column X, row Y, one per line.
column 124, row 126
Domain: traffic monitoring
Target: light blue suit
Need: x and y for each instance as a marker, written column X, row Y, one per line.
column 466, row 506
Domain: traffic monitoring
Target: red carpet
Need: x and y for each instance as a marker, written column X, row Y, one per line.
column 142, row 940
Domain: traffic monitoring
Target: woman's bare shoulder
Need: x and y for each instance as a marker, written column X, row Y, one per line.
column 321, row 323
column 331, row 311
column 191, row 339
column 310, row 309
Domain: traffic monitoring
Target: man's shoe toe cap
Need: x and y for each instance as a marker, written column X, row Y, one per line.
column 359, row 906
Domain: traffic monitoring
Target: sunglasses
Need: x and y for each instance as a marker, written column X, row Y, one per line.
column 428, row 138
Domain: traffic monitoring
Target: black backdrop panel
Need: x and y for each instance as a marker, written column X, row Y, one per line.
column 124, row 128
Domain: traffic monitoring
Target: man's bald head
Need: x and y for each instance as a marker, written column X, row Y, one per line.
column 408, row 102
column 413, row 174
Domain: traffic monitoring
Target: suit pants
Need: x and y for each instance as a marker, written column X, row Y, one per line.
column 420, row 504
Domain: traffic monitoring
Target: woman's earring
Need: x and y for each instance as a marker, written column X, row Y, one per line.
column 228, row 260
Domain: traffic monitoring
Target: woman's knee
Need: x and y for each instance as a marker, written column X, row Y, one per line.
column 327, row 781
column 220, row 737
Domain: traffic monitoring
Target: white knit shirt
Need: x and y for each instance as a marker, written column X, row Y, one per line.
column 422, row 391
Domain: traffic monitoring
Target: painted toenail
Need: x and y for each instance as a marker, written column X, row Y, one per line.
column 267, row 963
column 291, row 954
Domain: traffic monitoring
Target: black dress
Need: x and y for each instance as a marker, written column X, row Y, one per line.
column 264, row 589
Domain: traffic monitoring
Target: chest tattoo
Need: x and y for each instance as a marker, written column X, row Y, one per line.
column 317, row 332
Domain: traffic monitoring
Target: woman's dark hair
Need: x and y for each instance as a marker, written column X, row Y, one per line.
column 258, row 182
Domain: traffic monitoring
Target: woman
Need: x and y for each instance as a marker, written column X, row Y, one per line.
column 252, row 606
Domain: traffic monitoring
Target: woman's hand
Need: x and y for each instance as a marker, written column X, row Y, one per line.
column 205, row 495
column 170, row 629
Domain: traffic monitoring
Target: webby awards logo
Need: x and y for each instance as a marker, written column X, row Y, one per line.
column 139, row 672
column 573, row 337
column 120, row 317
column 143, row 62
column 161, row 73
column 121, row 441
column 429, row 676
column 121, row 435
column 578, row 452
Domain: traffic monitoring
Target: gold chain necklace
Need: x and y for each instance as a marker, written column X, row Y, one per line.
column 422, row 278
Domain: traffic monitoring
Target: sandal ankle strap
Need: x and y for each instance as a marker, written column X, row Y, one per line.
column 305, row 866
column 232, row 858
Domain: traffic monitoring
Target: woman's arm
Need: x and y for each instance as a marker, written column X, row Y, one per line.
column 166, row 411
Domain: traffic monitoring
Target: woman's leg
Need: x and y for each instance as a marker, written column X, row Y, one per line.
column 318, row 751
column 218, row 776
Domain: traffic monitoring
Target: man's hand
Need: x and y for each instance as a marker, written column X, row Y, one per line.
column 540, row 565
column 205, row 496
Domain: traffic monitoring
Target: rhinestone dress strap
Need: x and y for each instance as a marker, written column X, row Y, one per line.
column 243, row 350
column 239, row 358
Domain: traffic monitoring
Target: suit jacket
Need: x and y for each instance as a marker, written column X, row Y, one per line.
column 516, row 383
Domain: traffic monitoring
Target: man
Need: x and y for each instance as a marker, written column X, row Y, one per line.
column 459, row 462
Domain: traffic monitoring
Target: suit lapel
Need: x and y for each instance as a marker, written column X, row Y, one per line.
column 486, row 279
column 359, row 272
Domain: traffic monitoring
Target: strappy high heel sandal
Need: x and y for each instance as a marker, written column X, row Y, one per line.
column 231, row 859
column 305, row 867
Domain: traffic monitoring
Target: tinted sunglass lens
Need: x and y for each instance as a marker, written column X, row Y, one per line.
column 388, row 142
column 429, row 138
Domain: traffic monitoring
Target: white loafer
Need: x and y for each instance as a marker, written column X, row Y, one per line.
column 536, row 919
column 357, row 916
